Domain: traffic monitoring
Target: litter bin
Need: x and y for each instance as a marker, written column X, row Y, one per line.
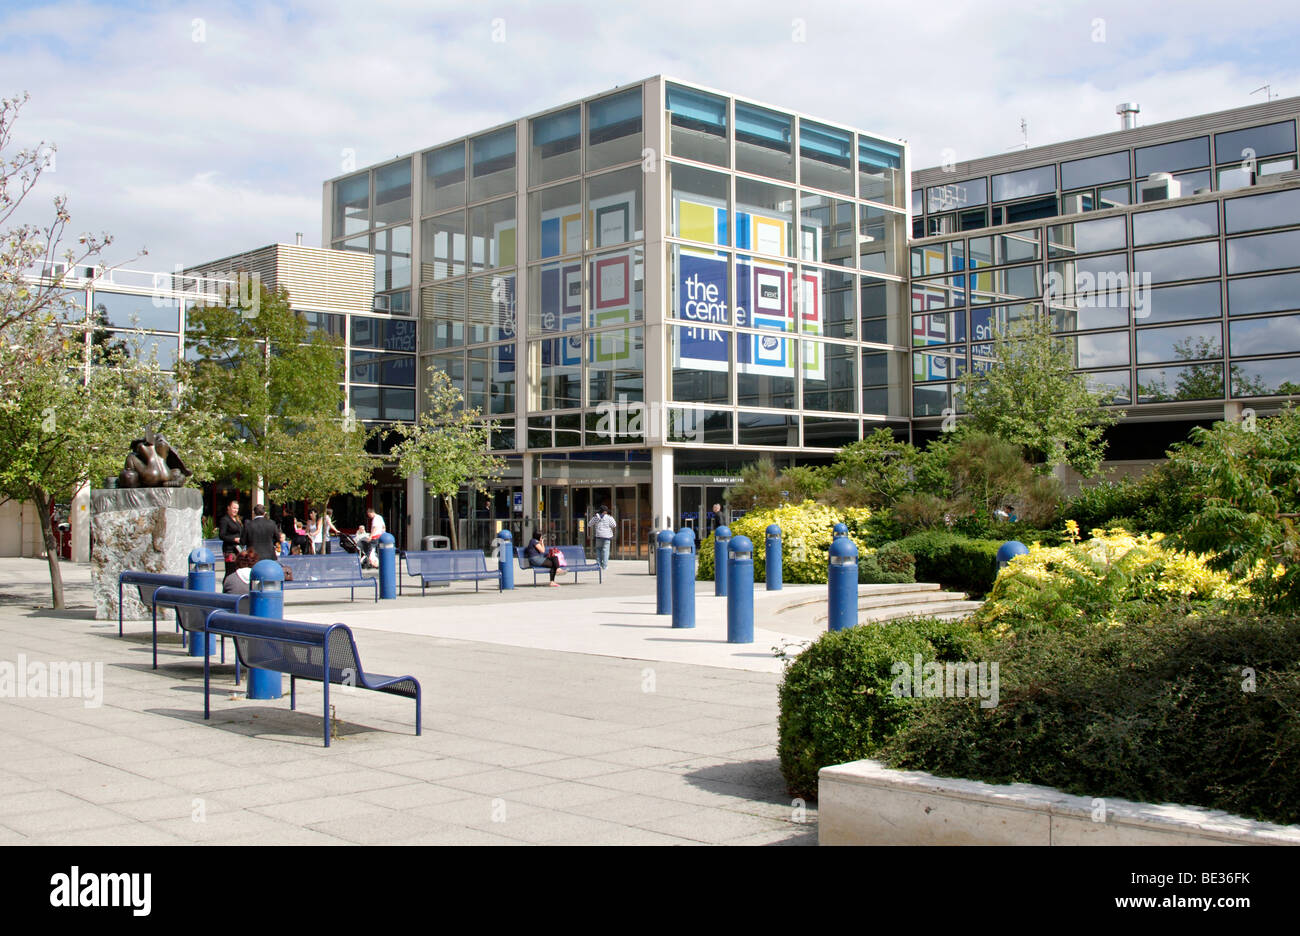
column 435, row 542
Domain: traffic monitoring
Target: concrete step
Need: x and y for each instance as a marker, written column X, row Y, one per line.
column 884, row 601
column 948, row 610
column 865, row 592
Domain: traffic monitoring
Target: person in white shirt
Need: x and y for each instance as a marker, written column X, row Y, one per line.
column 603, row 527
column 369, row 540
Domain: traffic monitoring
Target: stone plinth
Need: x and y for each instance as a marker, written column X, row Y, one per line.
column 145, row 529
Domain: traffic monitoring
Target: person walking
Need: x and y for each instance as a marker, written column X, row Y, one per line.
column 261, row 534
column 603, row 528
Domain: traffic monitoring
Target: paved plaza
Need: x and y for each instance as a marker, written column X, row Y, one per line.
column 568, row 715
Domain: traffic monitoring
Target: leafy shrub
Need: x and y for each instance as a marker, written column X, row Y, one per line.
column 953, row 560
column 1157, row 502
column 835, row 698
column 1163, row 710
column 1107, row 580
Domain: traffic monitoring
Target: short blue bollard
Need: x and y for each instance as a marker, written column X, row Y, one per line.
column 202, row 577
column 772, row 557
column 1009, row 550
column 839, row 530
column 721, row 537
column 842, row 580
column 740, row 595
column 684, row 579
column 506, row 559
column 664, row 573
column 387, row 552
column 265, row 600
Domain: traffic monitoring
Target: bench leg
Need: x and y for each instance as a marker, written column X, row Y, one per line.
column 119, row 607
column 293, row 692
column 417, row 709
column 327, row 707
column 155, row 636
column 207, row 680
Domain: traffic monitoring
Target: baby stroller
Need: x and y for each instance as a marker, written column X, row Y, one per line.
column 348, row 544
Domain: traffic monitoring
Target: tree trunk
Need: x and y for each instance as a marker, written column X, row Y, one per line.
column 451, row 513
column 44, row 502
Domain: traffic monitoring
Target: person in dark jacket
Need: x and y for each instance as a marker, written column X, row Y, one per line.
column 230, row 529
column 261, row 534
column 535, row 555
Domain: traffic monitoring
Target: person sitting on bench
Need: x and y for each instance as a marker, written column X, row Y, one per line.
column 535, row 553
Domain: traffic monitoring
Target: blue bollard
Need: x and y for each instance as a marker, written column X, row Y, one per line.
column 1009, row 550
column 839, row 530
column 202, row 577
column 843, row 582
column 664, row 573
column 721, row 537
column 684, row 579
column 387, row 552
column 265, row 600
column 740, row 594
column 772, row 558
column 506, row 559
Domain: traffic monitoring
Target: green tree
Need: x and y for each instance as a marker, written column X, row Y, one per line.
column 449, row 445
column 1032, row 397
column 320, row 456
column 269, row 376
column 873, row 472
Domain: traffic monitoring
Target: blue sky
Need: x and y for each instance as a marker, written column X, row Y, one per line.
column 201, row 129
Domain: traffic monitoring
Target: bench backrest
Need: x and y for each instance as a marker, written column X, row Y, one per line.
column 340, row 568
column 193, row 607
column 299, row 648
column 146, row 583
column 442, row 561
column 573, row 555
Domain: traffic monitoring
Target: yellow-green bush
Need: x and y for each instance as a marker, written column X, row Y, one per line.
column 806, row 533
column 1101, row 581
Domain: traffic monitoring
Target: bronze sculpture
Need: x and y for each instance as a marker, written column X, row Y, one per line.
column 153, row 463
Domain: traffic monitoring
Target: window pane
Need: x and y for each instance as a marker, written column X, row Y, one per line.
column 880, row 171
column 556, row 373
column 1171, row 157
column 1191, row 382
column 927, row 366
column 126, row 311
column 1276, row 334
column 931, row 401
column 1108, row 349
column 618, row 287
column 556, row 141
column 1022, row 184
column 614, row 206
column 700, row 286
column 393, row 193
column 880, row 312
column 616, row 366
column 1198, row 300
column 393, row 258
column 1086, row 237
column 763, row 294
column 492, row 235
column 1276, row 209
column 700, row 202
column 830, row 378
column 768, row 429
column 491, row 308
column 1264, row 252
column 701, row 362
column 1174, row 224
column 957, row 195
column 697, row 125
column 1267, row 140
column 443, row 311
column 1088, row 312
column 352, row 204
column 822, row 432
column 764, row 142
column 492, row 159
column 555, row 297
column 884, row 383
column 444, row 178
column 1264, row 294
column 614, row 129
column 880, row 236
column 1028, row 211
column 1266, row 378
column 1114, row 197
column 1095, row 170
column 1167, row 264
column 699, row 426
column 835, row 315
column 825, row 229
column 442, row 247
column 1116, row 387
column 1183, row 343
column 825, row 157
column 555, row 221
column 939, row 328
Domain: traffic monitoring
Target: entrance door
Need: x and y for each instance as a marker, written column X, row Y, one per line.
column 392, row 507
column 628, row 544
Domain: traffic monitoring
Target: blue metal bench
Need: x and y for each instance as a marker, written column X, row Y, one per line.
column 214, row 546
column 146, row 584
column 192, row 610
column 447, row 565
column 325, row 653
column 575, row 561
column 337, row 571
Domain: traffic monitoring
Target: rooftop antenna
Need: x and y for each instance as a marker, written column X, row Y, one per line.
column 1268, row 92
column 1024, row 129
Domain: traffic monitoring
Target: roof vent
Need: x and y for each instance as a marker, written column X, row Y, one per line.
column 299, row 236
column 1128, row 112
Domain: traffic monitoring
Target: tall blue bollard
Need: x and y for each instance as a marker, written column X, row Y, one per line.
column 684, row 579
column 1009, row 550
column 843, row 582
column 506, row 559
column 664, row 573
column 839, row 530
column 740, row 594
column 202, row 577
column 387, row 552
column 721, row 537
column 772, row 558
column 266, row 600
